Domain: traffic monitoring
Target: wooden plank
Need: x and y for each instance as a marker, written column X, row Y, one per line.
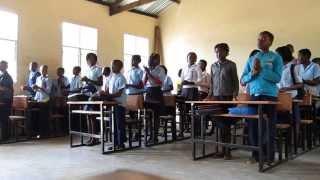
column 92, row 103
column 237, row 116
column 118, row 9
column 85, row 112
column 176, row 1
column 234, row 102
column 100, row 2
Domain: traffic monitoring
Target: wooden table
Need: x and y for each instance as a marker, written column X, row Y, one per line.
column 258, row 117
column 103, row 117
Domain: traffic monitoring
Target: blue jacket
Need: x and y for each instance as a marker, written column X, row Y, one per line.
column 265, row 83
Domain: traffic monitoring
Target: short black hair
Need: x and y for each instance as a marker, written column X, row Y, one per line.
column 60, row 69
column 119, row 62
column 165, row 69
column 77, row 68
column 136, row 57
column 107, row 68
column 305, row 52
column 316, row 60
column 254, row 52
column 92, row 56
column 3, row 62
column 224, row 46
column 204, row 62
column 285, row 53
column 179, row 72
column 155, row 56
column 269, row 34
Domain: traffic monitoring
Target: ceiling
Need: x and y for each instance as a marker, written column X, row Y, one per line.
column 151, row 8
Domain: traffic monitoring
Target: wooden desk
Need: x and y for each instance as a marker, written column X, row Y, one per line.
column 101, row 112
column 259, row 117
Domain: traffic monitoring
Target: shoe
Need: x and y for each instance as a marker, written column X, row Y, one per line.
column 251, row 161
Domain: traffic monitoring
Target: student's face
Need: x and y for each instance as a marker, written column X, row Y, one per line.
column 116, row 68
column 264, row 41
column 60, row 72
column 302, row 59
column 221, row 53
column 3, row 67
column 91, row 62
column 135, row 62
column 34, row 67
column 44, row 70
column 106, row 72
column 192, row 58
column 202, row 66
column 75, row 71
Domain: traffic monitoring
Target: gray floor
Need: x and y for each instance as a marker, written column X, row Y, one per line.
column 53, row 159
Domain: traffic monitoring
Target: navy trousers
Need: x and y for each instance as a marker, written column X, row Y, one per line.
column 119, row 125
column 270, row 111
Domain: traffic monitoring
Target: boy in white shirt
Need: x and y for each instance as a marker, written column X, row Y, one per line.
column 43, row 88
column 93, row 80
column 204, row 84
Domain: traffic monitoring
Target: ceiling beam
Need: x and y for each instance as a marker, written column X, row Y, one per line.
column 100, row 2
column 176, row 1
column 118, row 9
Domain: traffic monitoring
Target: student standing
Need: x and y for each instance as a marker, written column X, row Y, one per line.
column 167, row 85
column 134, row 76
column 43, row 88
column 309, row 72
column 106, row 78
column 262, row 73
column 116, row 92
column 153, row 79
column 6, row 97
column 189, row 77
column 32, row 78
column 75, row 82
column 204, row 84
column 61, row 84
column 224, row 87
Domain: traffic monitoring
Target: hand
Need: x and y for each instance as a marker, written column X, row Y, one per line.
column 35, row 87
column 147, row 70
column 85, row 79
column 283, row 89
column 256, row 66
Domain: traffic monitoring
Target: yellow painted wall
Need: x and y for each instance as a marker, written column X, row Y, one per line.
column 40, row 35
column 198, row 25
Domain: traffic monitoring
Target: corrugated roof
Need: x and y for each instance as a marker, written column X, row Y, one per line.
column 152, row 9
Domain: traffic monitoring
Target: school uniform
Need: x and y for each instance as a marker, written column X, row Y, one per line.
column 193, row 75
column 311, row 72
column 118, row 83
column 5, row 98
column 59, row 86
column 105, row 84
column 263, row 87
column 204, row 85
column 167, row 85
column 154, row 96
column 134, row 77
column 32, row 78
column 43, row 96
column 75, row 84
column 93, row 73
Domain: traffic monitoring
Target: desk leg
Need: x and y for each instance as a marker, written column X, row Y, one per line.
column 113, row 127
column 203, row 136
column 192, row 133
column 101, row 128
column 70, row 128
column 80, row 128
column 261, row 155
column 145, row 128
column 268, row 140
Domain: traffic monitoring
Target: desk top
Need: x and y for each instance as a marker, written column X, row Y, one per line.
column 234, row 102
column 92, row 102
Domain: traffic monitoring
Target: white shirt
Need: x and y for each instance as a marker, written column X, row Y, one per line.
column 134, row 77
column 46, row 84
column 157, row 72
column 94, row 73
column 286, row 78
column 311, row 72
column 204, row 83
column 167, row 85
column 75, row 83
column 117, row 83
column 192, row 74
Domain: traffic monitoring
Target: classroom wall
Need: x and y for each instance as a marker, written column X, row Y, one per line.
column 40, row 34
column 197, row 25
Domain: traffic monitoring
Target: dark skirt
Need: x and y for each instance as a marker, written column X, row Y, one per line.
column 190, row 94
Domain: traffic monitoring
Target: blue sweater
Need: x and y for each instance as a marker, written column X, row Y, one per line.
column 265, row 83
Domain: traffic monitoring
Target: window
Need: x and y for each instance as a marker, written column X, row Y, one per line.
column 9, row 41
column 135, row 45
column 77, row 42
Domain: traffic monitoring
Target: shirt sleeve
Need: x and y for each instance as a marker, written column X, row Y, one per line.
column 274, row 75
column 235, row 80
column 162, row 75
column 199, row 74
column 316, row 71
column 121, row 84
column 49, row 86
column 246, row 76
column 297, row 75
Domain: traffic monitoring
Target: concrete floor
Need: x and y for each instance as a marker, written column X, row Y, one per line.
column 53, row 159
